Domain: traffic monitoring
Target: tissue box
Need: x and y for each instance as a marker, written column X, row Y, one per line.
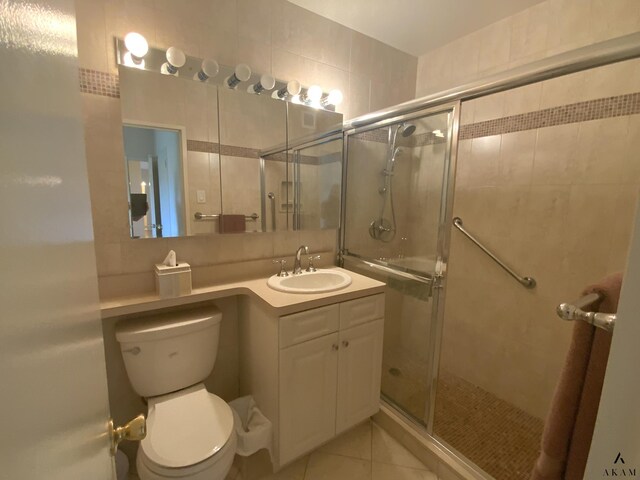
column 173, row 281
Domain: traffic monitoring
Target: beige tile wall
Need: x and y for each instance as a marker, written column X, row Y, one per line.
column 417, row 184
column 548, row 28
column 555, row 203
column 273, row 36
column 367, row 159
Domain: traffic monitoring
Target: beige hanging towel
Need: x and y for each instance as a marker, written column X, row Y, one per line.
column 569, row 426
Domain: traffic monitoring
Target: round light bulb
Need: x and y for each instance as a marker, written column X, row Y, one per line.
column 136, row 44
column 314, row 93
column 176, row 57
column 335, row 97
column 267, row 81
column 210, row 68
column 242, row 72
column 294, row 87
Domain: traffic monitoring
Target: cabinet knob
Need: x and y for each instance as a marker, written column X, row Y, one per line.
column 334, row 347
column 345, row 343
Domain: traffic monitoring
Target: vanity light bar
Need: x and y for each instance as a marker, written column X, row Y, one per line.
column 174, row 61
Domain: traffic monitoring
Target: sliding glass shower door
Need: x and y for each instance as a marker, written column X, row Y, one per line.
column 396, row 180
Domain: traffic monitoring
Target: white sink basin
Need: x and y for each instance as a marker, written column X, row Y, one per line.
column 311, row 282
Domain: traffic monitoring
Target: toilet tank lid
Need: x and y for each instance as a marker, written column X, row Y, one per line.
column 167, row 325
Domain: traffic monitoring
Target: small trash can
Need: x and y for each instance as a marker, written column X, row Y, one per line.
column 253, row 429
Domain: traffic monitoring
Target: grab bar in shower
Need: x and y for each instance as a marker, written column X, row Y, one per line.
column 576, row 311
column 216, row 216
column 526, row 282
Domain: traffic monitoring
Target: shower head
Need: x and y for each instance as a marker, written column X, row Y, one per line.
column 406, row 129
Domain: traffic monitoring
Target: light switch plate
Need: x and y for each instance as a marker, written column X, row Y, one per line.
column 201, row 196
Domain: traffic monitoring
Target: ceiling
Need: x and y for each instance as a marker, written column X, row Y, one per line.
column 415, row 26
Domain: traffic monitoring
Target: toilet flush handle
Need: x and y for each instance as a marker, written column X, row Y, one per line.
column 135, row 430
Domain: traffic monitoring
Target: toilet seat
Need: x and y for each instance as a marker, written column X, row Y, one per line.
column 185, row 428
column 215, row 467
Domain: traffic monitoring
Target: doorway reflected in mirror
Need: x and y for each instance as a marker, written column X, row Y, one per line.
column 156, row 181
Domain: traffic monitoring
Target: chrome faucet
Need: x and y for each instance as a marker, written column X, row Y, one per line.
column 297, row 266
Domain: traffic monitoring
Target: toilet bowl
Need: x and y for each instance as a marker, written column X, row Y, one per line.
column 190, row 432
column 190, row 435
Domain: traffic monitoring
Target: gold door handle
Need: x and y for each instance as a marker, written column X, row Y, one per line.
column 135, row 430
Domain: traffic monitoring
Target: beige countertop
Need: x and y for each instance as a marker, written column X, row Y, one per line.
column 278, row 303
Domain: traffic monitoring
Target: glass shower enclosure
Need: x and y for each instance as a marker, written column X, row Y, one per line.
column 395, row 200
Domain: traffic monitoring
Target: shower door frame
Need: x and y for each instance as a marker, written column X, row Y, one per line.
column 442, row 248
column 626, row 47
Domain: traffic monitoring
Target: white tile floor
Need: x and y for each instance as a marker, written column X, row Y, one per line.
column 365, row 452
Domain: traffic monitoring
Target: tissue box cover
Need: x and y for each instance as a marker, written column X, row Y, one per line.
column 173, row 281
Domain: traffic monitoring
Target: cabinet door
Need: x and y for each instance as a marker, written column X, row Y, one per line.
column 359, row 370
column 308, row 376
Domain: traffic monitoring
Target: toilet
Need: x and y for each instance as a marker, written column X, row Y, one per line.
column 190, row 432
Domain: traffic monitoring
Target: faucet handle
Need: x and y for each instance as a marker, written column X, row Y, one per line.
column 282, row 272
column 310, row 267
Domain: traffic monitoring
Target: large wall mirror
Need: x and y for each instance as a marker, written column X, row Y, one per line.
column 204, row 159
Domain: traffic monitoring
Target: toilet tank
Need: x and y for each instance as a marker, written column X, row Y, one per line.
column 169, row 352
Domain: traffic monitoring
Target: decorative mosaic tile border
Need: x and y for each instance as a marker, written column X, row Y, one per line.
column 202, row 146
column 573, row 113
column 244, row 152
column 419, row 140
column 227, row 150
column 378, row 135
column 422, row 139
column 99, row 83
column 280, row 157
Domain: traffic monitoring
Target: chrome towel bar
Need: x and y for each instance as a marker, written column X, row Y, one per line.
column 526, row 282
column 574, row 311
column 216, row 216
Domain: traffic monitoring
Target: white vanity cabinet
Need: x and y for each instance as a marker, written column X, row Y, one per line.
column 308, row 387
column 323, row 373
